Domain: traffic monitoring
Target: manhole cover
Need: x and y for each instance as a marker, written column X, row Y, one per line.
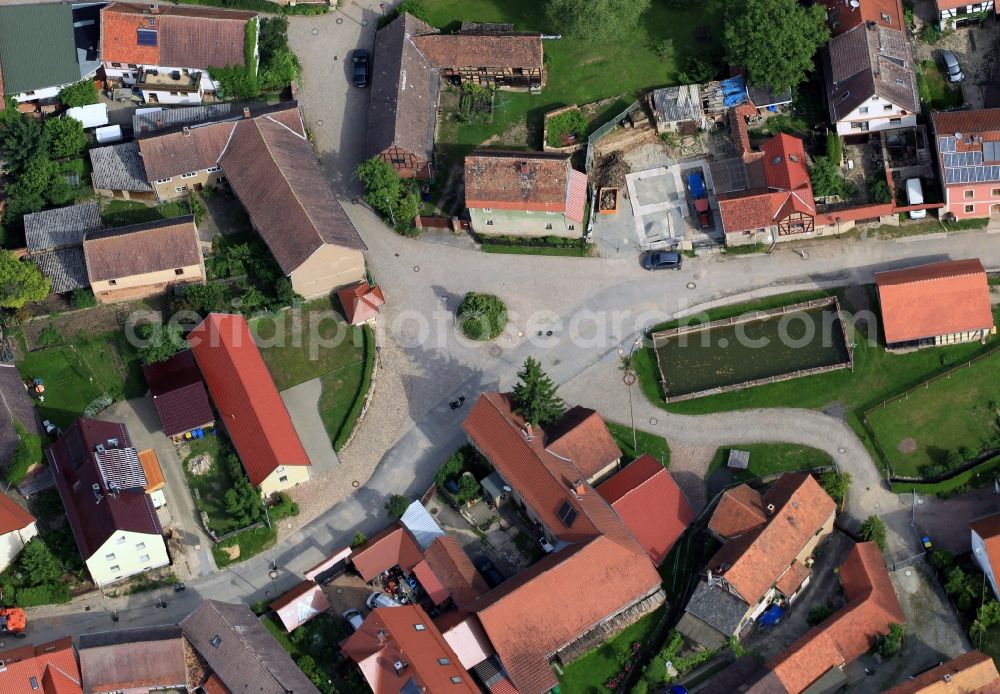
column 319, row 122
column 691, row 285
column 909, row 573
column 315, row 31
column 340, row 20
column 197, row 548
column 723, row 342
column 355, row 483
column 842, row 450
column 358, row 200
column 520, row 333
column 444, row 300
column 652, row 420
column 364, row 22
column 875, row 506
column 416, row 268
column 339, row 591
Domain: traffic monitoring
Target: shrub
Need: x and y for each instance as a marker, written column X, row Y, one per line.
column 80, row 94
column 665, row 49
column 49, row 337
column 873, row 530
column 569, row 123
column 826, row 179
column 889, row 644
column 396, row 506
column 27, row 453
column 284, row 507
column 834, row 147
column 930, row 33
column 414, row 7
column 836, row 485
column 942, row 559
column 46, row 594
column 66, row 137
column 359, row 539
column 818, row 615
column 880, row 191
column 481, row 316
column 393, row 197
column 83, row 298
column 451, row 469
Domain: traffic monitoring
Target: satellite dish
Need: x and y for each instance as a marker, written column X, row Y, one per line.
column 855, row 4
column 958, row 136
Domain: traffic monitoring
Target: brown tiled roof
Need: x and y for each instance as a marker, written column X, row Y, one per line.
column 139, row 249
column 388, row 636
column 194, row 148
column 843, row 17
column 872, row 606
column 75, row 467
column 560, row 598
column 52, row 665
column 138, row 658
column 455, row 571
column 187, row 37
column 988, row 529
column 867, row 61
column 179, row 393
column 755, row 561
column 941, row 298
column 481, row 50
column 982, row 121
column 274, row 172
column 970, row 673
column 792, row 579
column 401, row 107
column 12, row 516
column 392, row 546
column 740, row 510
column 241, row 652
column 582, row 436
column 517, row 181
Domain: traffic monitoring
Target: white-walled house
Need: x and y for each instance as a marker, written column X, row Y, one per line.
column 102, row 486
column 986, row 547
column 17, row 526
column 166, row 51
column 954, row 12
column 870, row 80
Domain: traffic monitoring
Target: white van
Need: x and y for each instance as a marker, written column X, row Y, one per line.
column 915, row 196
column 381, row 600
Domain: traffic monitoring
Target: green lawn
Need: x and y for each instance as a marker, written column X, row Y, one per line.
column 580, row 70
column 655, row 445
column 251, row 542
column 589, row 672
column 209, row 489
column 769, row 459
column 117, row 213
column 577, row 252
column 935, row 91
column 959, row 411
column 302, row 344
column 77, row 373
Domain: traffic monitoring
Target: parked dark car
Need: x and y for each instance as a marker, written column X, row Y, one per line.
column 951, row 65
column 362, row 67
column 488, row 569
column 662, row 260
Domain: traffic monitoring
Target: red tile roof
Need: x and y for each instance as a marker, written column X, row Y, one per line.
column 454, row 571
column 475, row 50
column 51, row 665
column 522, row 181
column 650, row 503
column 847, row 17
column 988, row 529
column 793, row 579
column 151, row 469
column 392, row 546
column 872, row 606
column 970, row 673
column 360, row 301
column 390, row 635
column 74, row 460
column 756, row 560
column 981, row 121
column 244, row 394
column 551, row 603
column 12, row 516
column 582, row 436
column 430, row 583
column 300, row 604
column 941, row 298
column 179, row 393
column 740, row 510
column 187, row 37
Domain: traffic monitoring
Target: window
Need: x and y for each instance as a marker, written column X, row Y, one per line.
column 571, row 227
column 109, row 557
column 548, row 225
column 213, row 169
column 179, row 271
column 456, row 680
column 115, row 568
column 216, row 641
column 529, row 212
column 969, row 194
column 144, row 558
column 164, row 180
column 33, row 681
column 112, row 282
column 141, row 545
column 180, row 189
column 895, row 121
column 419, row 627
column 995, row 193
column 145, row 37
column 283, row 478
column 489, row 222
column 855, row 126
column 280, row 469
column 487, row 210
column 863, row 110
column 121, row 540
column 886, row 18
column 887, row 107
column 970, row 208
column 444, row 661
column 190, row 174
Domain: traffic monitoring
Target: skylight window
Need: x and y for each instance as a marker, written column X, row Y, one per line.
column 145, row 37
column 567, row 514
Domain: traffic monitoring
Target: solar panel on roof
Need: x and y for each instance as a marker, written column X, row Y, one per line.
column 567, row 514
column 145, row 37
column 991, row 151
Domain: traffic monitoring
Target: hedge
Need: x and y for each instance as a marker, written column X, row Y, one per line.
column 46, row 594
column 366, row 383
column 976, row 476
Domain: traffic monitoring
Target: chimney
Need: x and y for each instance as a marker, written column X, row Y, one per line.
column 154, row 9
column 246, row 111
column 187, row 131
column 399, row 666
column 579, row 487
column 524, row 167
column 709, row 577
column 528, row 433
column 770, row 509
column 947, row 678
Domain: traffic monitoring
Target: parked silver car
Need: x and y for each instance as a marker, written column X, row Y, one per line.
column 952, row 67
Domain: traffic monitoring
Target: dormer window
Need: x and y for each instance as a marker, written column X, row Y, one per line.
column 886, row 18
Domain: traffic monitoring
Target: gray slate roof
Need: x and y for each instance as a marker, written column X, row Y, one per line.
column 15, row 405
column 61, row 227
column 119, row 167
column 404, row 91
column 146, row 123
column 240, row 651
column 65, row 267
column 717, row 607
column 37, row 47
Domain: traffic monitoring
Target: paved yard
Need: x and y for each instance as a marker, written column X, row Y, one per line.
column 946, row 521
column 302, row 402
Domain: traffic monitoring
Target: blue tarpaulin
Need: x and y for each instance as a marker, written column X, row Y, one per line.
column 734, row 91
column 772, row 615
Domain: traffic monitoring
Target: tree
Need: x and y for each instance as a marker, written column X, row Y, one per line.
column 481, row 316
column 359, row 539
column 879, row 190
column 836, row 485
column 665, row 49
column 162, row 341
column 20, row 282
column 21, row 141
column 27, row 453
column 888, row 645
column 535, row 396
column 38, row 562
column 243, row 502
column 396, row 506
column 388, row 193
column 597, row 20
column 451, row 469
column 775, row 40
column 826, row 179
column 66, row 137
column 873, row 530
column 79, row 94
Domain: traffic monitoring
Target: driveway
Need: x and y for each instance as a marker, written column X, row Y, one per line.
column 139, row 415
column 302, row 402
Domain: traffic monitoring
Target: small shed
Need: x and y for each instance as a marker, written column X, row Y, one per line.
column 494, row 488
column 300, row 604
column 738, row 460
column 676, row 107
column 361, row 302
column 92, row 115
column 421, row 524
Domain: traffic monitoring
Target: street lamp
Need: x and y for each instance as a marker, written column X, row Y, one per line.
column 629, row 380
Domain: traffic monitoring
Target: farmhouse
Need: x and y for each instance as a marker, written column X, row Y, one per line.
column 134, row 660
column 768, row 544
column 249, row 406
column 118, row 172
column 939, row 303
column 970, row 672
column 143, row 260
column 522, row 194
column 871, row 81
column 102, row 486
column 53, row 662
column 299, row 605
column 968, row 145
column 411, row 59
column 165, row 51
column 955, row 12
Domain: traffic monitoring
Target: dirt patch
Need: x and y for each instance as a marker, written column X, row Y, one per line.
column 232, row 553
column 907, row 445
column 91, row 321
column 201, row 465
